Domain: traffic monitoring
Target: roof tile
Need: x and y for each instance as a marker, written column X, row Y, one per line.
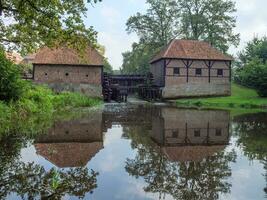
column 68, row 56
column 190, row 49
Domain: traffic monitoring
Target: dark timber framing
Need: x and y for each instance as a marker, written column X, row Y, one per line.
column 188, row 63
column 209, row 64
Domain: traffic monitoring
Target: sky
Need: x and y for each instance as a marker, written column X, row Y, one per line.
column 110, row 16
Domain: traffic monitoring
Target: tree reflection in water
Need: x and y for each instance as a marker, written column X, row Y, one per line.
column 32, row 181
column 203, row 178
column 251, row 131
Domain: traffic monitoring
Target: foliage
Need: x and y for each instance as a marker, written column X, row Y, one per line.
column 11, row 86
column 35, row 109
column 255, row 49
column 209, row 20
column 241, row 97
column 155, row 29
column 159, row 25
column 27, row 25
column 137, row 60
column 254, row 75
column 252, row 66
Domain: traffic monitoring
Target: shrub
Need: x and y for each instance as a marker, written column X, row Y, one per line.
column 254, row 75
column 11, row 85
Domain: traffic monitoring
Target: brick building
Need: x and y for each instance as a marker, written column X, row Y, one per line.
column 64, row 69
column 190, row 68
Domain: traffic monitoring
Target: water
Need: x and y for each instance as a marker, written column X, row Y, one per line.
column 140, row 152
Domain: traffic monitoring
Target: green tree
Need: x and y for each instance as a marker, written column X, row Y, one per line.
column 11, row 86
column 137, row 60
column 159, row 25
column 257, row 48
column 155, row 29
column 209, row 20
column 252, row 66
column 28, row 24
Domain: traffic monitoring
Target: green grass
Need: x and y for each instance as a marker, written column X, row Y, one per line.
column 240, row 101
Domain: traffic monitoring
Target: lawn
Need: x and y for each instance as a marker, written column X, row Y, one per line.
column 241, row 98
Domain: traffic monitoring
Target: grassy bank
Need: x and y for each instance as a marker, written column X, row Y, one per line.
column 241, row 98
column 37, row 107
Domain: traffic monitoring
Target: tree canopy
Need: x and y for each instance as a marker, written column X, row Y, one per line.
column 208, row 20
column 28, row 24
column 252, row 66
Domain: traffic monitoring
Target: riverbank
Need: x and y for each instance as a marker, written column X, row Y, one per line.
column 37, row 108
column 241, row 98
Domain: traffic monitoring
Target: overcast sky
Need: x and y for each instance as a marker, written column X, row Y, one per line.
column 109, row 18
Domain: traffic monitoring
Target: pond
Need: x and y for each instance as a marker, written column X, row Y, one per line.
column 140, row 152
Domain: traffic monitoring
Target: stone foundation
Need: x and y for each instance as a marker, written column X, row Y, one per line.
column 86, row 89
column 196, row 90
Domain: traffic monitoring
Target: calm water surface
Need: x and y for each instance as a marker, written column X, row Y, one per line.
column 137, row 152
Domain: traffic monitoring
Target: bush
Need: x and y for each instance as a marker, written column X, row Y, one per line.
column 11, row 85
column 254, row 75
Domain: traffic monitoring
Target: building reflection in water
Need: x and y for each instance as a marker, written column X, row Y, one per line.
column 72, row 143
column 183, row 154
column 190, row 135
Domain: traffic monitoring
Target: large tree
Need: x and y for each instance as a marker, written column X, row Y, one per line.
column 209, row 20
column 27, row 24
column 155, row 29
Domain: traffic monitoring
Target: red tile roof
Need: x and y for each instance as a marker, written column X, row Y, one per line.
column 64, row 55
column 190, row 49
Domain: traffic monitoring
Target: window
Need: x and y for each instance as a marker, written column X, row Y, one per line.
column 197, row 133
column 219, row 72
column 218, row 132
column 198, row 71
column 87, row 75
column 67, row 74
column 46, row 74
column 176, row 70
column 175, row 133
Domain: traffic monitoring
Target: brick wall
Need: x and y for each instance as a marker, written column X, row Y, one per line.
column 67, row 74
column 177, row 86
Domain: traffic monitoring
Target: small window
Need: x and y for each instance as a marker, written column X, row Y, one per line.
column 87, row 75
column 198, row 71
column 67, row 74
column 175, row 133
column 218, row 132
column 219, row 72
column 197, row 133
column 176, row 70
column 46, row 74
